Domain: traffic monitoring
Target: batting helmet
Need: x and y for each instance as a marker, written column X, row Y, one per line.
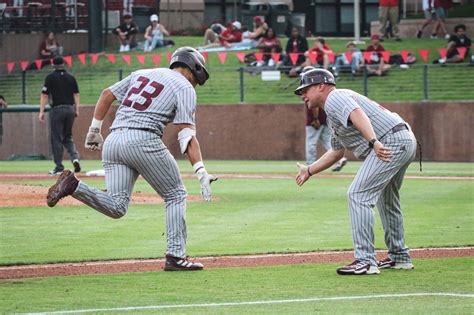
column 313, row 77
column 191, row 59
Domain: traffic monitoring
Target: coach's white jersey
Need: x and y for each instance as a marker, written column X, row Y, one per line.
column 152, row 98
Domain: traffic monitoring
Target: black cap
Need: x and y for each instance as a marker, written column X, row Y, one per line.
column 127, row 16
column 58, row 61
column 313, row 77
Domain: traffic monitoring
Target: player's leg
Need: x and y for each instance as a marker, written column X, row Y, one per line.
column 325, row 137
column 158, row 167
column 403, row 146
column 69, row 116
column 57, row 125
column 393, row 17
column 367, row 187
column 119, row 178
column 392, row 219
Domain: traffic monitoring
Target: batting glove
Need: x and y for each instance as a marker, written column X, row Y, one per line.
column 205, row 181
column 94, row 139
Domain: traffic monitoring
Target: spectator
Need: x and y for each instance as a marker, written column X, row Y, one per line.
column 388, row 11
column 322, row 51
column 260, row 28
column 377, row 64
column 296, row 44
column 356, row 63
column 457, row 40
column 269, row 44
column 211, row 35
column 430, row 17
column 50, row 47
column 3, row 102
column 440, row 7
column 154, row 34
column 126, row 33
column 64, row 92
column 230, row 35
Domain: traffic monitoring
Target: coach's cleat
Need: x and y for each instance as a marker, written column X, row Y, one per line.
column 389, row 263
column 55, row 172
column 77, row 166
column 358, row 268
column 339, row 164
column 181, row 264
column 65, row 186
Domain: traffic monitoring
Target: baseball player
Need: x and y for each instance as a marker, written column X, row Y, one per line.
column 150, row 99
column 386, row 144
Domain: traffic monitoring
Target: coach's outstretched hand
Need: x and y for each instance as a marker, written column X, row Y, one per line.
column 94, row 139
column 205, row 180
column 303, row 174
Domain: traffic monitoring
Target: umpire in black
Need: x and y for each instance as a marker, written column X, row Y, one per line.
column 61, row 89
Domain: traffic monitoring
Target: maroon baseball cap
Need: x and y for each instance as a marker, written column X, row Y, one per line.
column 375, row 36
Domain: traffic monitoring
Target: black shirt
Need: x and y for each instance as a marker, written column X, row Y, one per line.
column 61, row 86
column 129, row 29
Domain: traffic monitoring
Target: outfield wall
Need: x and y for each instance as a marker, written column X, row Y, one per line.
column 261, row 132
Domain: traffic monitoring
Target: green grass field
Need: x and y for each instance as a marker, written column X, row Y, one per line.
column 444, row 83
column 248, row 216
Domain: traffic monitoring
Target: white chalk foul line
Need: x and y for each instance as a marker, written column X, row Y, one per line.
column 316, row 299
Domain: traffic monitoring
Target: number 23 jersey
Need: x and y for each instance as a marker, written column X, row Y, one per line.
column 152, row 98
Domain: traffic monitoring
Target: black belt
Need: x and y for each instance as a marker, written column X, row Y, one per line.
column 399, row 127
column 142, row 129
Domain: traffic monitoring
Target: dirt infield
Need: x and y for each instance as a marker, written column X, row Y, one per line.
column 14, row 195
column 120, row 266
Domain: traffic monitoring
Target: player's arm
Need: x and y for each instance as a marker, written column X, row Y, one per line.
column 324, row 162
column 189, row 145
column 94, row 139
column 362, row 123
column 77, row 102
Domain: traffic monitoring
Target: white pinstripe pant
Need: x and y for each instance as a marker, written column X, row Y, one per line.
column 378, row 183
column 127, row 154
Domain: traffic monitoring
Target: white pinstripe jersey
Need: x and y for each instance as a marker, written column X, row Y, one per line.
column 152, row 98
column 339, row 105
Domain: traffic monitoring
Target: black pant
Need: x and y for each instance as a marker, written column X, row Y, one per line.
column 61, row 122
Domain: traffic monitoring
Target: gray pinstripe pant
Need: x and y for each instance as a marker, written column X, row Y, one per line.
column 127, row 154
column 378, row 183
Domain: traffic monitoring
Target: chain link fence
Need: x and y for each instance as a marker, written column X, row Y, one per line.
column 235, row 85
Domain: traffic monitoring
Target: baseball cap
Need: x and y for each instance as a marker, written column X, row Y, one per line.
column 237, row 25
column 154, row 17
column 257, row 19
column 351, row 43
column 127, row 16
column 57, row 61
column 375, row 36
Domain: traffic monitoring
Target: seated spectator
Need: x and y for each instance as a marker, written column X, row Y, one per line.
column 50, row 48
column 296, row 44
column 457, row 40
column 376, row 64
column 126, row 33
column 260, row 28
column 322, row 51
column 231, row 35
column 357, row 61
column 3, row 102
column 154, row 34
column 211, row 35
column 269, row 44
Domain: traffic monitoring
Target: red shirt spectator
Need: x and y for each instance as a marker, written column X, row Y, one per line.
column 319, row 52
column 375, row 47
